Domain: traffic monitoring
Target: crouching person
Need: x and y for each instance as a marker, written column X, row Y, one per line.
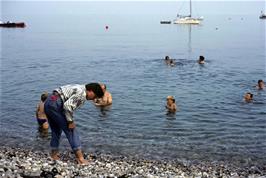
column 59, row 108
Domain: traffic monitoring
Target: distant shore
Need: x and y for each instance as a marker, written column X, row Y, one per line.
column 18, row 162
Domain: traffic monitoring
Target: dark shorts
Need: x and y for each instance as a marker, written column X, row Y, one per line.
column 41, row 121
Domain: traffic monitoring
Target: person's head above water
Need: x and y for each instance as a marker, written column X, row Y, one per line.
column 103, row 87
column 170, row 105
column 166, row 58
column 44, row 96
column 170, row 98
column 261, row 84
column 248, row 97
column 93, row 90
column 201, row 60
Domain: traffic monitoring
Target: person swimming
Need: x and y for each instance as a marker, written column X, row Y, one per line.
column 172, row 62
column 106, row 100
column 170, row 104
column 167, row 58
column 201, row 60
column 260, row 85
column 248, row 97
column 169, row 61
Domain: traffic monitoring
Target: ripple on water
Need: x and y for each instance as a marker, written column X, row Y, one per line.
column 213, row 122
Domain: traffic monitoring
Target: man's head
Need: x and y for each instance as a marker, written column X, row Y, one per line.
column 260, row 84
column 93, row 90
column 166, row 58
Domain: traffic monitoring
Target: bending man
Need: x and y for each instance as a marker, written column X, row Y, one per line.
column 59, row 108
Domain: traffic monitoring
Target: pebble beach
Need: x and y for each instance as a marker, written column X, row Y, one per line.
column 18, row 162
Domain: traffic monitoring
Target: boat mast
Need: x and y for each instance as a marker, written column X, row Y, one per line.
column 190, row 14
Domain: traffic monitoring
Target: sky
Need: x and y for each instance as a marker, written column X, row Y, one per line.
column 143, row 0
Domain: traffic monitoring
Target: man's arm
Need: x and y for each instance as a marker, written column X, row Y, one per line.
column 70, row 105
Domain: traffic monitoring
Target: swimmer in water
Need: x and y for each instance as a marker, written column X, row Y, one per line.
column 201, row 60
column 106, row 100
column 167, row 59
column 170, row 104
column 260, row 85
column 248, row 97
column 172, row 63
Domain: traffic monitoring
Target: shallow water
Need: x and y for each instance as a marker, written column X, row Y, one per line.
column 69, row 44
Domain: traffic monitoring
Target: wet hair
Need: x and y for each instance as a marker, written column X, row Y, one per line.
column 251, row 95
column 166, row 58
column 201, row 58
column 44, row 96
column 259, row 81
column 96, row 88
column 171, row 99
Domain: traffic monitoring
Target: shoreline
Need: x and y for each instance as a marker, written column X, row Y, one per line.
column 20, row 162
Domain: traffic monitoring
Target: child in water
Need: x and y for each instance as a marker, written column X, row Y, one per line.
column 40, row 114
column 170, row 105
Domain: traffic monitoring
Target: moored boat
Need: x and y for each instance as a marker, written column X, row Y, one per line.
column 188, row 19
column 165, row 22
column 262, row 15
column 13, row 24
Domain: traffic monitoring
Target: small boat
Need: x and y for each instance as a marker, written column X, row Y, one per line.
column 262, row 15
column 165, row 22
column 13, row 24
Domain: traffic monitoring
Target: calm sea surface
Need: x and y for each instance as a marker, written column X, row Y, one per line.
column 66, row 42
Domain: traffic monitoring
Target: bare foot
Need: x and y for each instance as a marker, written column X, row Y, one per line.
column 80, row 158
column 82, row 162
column 55, row 155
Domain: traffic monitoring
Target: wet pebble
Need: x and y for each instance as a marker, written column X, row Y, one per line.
column 25, row 163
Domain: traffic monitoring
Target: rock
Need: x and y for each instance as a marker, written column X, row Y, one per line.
column 45, row 164
column 31, row 174
column 108, row 165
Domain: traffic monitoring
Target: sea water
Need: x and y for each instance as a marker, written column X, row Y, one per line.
column 67, row 42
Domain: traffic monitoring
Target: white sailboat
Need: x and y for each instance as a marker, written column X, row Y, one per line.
column 262, row 15
column 187, row 19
